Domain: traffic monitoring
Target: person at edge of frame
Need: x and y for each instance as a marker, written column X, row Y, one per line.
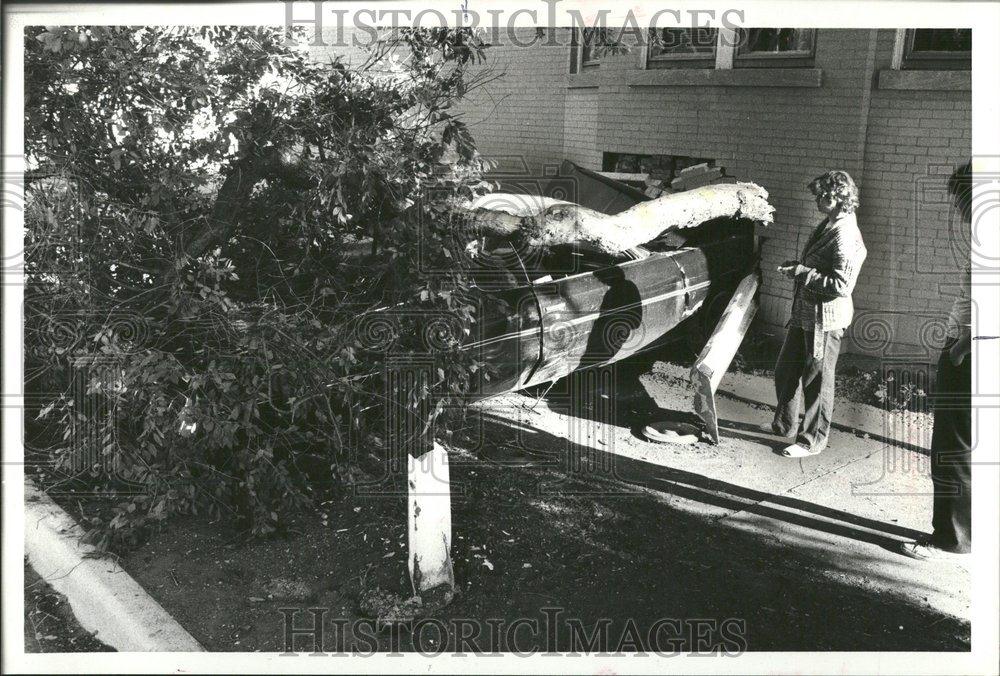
column 822, row 310
column 951, row 440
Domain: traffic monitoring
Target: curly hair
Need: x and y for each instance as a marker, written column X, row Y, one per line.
column 839, row 185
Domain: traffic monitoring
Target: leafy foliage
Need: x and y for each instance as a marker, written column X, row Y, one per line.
column 196, row 208
column 894, row 390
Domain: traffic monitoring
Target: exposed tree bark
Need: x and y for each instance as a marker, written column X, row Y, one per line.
column 546, row 222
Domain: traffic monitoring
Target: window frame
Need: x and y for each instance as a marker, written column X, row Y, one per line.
column 707, row 57
column 798, row 57
column 578, row 50
column 927, row 60
column 594, row 60
column 724, row 56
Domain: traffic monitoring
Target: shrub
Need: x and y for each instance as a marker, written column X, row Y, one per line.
column 192, row 303
column 893, row 390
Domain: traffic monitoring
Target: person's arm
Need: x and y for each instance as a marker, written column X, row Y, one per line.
column 841, row 277
column 833, row 284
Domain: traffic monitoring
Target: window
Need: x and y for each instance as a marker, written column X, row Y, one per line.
column 932, row 59
column 775, row 46
column 587, row 47
column 595, row 41
column 663, row 167
column 938, row 49
column 668, row 45
column 751, row 47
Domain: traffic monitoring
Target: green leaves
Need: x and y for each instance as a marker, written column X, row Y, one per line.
column 243, row 207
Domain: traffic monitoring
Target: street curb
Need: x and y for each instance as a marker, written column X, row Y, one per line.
column 104, row 598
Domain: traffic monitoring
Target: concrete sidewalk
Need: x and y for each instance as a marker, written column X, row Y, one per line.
column 850, row 506
column 907, row 429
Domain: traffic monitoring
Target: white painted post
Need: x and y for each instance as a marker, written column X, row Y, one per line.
column 898, row 49
column 429, row 521
column 725, row 49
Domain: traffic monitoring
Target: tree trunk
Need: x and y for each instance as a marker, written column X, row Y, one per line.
column 547, row 222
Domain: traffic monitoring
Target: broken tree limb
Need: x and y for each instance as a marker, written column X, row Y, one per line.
column 718, row 353
column 232, row 199
column 542, row 221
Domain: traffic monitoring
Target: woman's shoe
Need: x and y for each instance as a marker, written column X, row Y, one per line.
column 796, row 451
column 925, row 551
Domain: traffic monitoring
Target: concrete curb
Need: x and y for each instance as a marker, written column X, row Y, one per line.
column 104, row 598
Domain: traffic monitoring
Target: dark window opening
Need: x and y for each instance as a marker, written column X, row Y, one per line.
column 574, row 51
column 595, row 43
column 775, row 47
column 663, row 167
column 679, row 47
column 938, row 49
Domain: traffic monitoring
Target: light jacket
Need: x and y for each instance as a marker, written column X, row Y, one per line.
column 833, row 261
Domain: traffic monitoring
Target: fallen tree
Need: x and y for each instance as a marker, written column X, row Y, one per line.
column 193, row 195
column 542, row 221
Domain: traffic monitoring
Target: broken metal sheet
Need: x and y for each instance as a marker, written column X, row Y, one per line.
column 595, row 190
column 543, row 221
column 718, row 353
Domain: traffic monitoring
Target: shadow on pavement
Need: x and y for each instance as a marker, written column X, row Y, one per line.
column 797, row 588
column 728, row 496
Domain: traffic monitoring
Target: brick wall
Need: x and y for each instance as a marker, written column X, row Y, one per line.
column 892, row 142
column 916, row 245
column 900, row 147
column 580, row 127
column 518, row 119
column 779, row 137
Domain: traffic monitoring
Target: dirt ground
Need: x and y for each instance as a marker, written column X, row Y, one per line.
column 49, row 625
column 566, row 519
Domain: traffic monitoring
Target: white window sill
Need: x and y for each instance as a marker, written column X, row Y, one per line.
column 925, row 80
column 736, row 77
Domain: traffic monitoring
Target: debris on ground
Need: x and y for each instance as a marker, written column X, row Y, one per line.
column 387, row 607
column 49, row 624
column 285, row 589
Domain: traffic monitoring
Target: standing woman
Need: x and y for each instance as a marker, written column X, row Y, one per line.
column 821, row 310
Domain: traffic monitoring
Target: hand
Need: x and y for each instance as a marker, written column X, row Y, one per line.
column 793, row 270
